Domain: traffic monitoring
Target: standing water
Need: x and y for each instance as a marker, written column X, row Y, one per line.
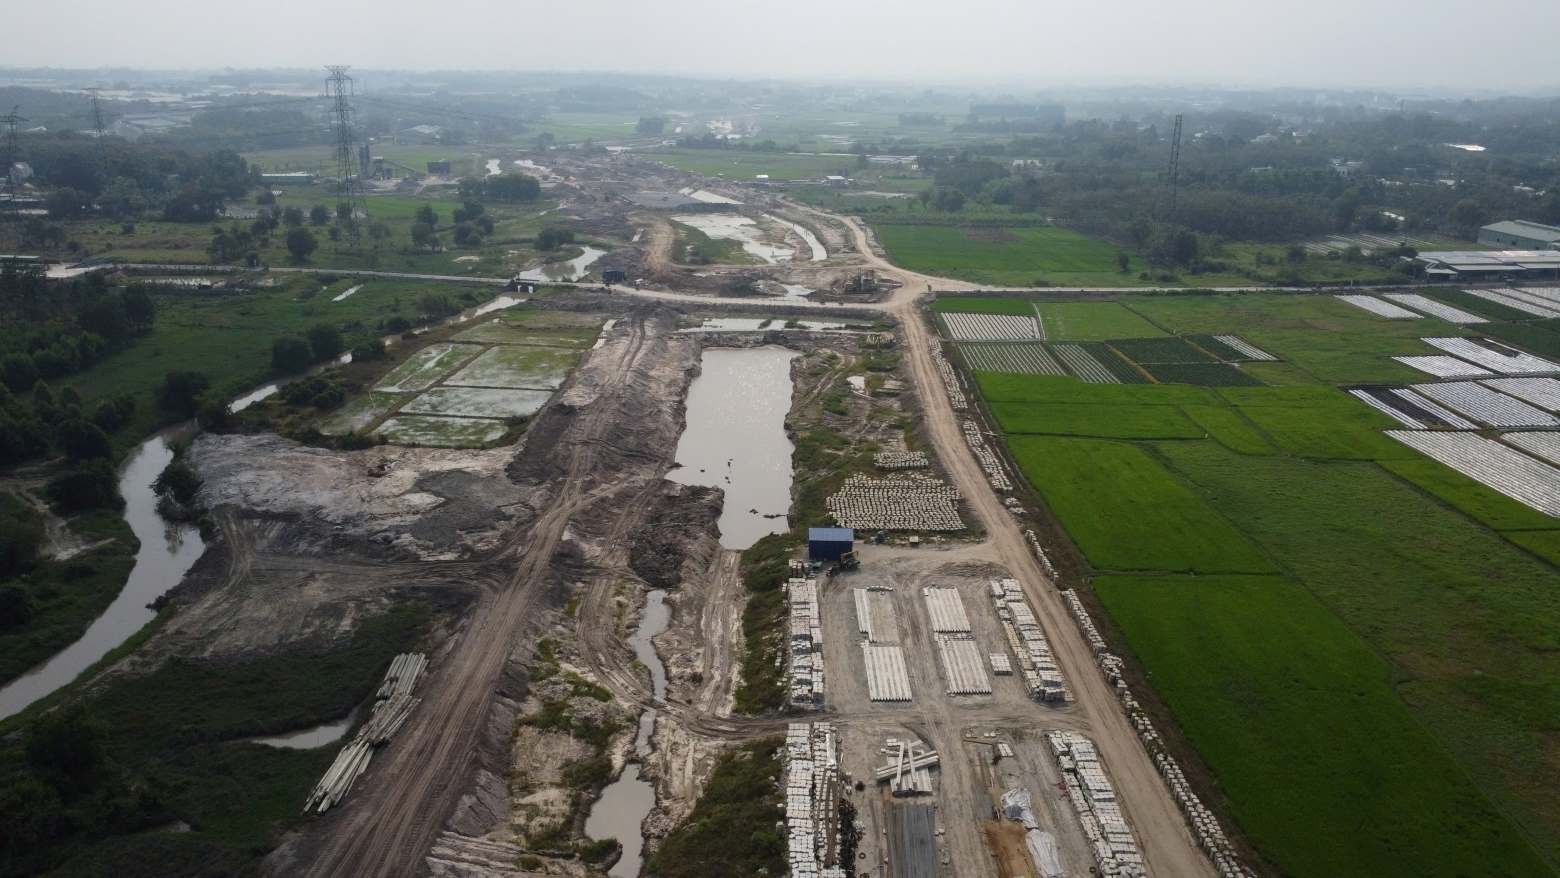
column 735, row 439
column 166, row 554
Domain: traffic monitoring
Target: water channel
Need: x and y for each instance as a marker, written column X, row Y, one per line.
column 167, row 552
column 735, row 440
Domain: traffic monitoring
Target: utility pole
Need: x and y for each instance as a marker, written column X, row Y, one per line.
column 8, row 180
column 338, row 88
column 1175, row 164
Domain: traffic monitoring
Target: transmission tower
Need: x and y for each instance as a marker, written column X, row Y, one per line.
column 1175, row 164
column 338, row 88
column 7, row 180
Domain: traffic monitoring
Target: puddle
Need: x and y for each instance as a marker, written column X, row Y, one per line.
column 735, row 439
column 166, row 554
column 308, row 739
column 349, row 291
column 740, row 229
column 814, row 246
column 570, row 270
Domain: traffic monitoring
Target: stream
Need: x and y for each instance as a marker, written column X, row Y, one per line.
column 735, row 440
column 167, row 552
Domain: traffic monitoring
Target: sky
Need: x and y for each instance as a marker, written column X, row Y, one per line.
column 1500, row 45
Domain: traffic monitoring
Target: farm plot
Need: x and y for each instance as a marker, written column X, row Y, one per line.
column 442, row 432
column 1084, row 365
column 990, row 327
column 1380, row 308
column 478, row 402
column 1511, row 299
column 1443, row 366
column 512, row 366
column 1545, row 445
column 360, row 413
column 1434, row 308
column 1023, row 359
column 1487, row 406
column 1518, row 476
column 1168, row 349
column 1542, row 392
column 1506, row 361
column 423, row 369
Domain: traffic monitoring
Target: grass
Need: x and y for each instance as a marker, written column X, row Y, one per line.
column 1126, row 512
column 731, row 830
column 1014, row 256
column 1094, row 419
column 1467, row 621
column 1294, row 713
column 1092, row 321
column 68, row 595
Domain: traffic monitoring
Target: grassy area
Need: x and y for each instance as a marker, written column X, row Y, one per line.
column 1092, row 321
column 1294, row 714
column 66, row 596
column 1020, row 256
column 177, row 735
column 732, row 828
column 1126, row 512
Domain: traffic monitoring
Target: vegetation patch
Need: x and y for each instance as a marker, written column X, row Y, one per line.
column 1127, row 512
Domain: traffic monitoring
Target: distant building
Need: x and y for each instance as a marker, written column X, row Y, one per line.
column 1520, row 235
column 421, row 134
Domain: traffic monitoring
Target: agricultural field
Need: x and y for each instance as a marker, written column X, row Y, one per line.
column 1017, row 256
column 1368, row 639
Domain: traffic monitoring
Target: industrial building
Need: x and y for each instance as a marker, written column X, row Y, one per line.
column 1520, row 235
column 829, row 543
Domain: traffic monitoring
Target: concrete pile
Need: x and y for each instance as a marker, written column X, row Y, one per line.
column 902, row 502
column 805, row 643
column 1042, row 675
column 393, row 704
column 950, row 379
column 1093, row 800
column 1205, row 826
column 811, row 782
column 902, row 460
column 996, row 474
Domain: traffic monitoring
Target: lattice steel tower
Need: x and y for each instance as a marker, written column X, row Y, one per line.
column 338, row 88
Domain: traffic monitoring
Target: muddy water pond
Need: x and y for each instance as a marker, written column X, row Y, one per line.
column 735, row 439
column 166, row 554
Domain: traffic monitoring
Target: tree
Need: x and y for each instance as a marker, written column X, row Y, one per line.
column 292, row 217
column 426, row 214
column 423, row 236
column 180, row 391
column 81, row 439
column 301, row 243
column 290, row 355
column 325, row 342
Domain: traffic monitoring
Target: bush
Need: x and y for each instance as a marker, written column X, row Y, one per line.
column 291, row 355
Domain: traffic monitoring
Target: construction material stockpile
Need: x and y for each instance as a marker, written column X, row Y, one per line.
column 950, row 379
column 996, row 473
column 893, row 460
column 1205, row 827
column 1042, row 676
column 811, row 788
column 1093, row 800
column 393, row 704
column 911, row 501
column 805, row 654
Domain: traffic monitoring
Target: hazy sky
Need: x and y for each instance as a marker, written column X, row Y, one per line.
column 1497, row 44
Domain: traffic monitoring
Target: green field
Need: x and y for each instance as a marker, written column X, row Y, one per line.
column 1391, row 683
column 1016, row 257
